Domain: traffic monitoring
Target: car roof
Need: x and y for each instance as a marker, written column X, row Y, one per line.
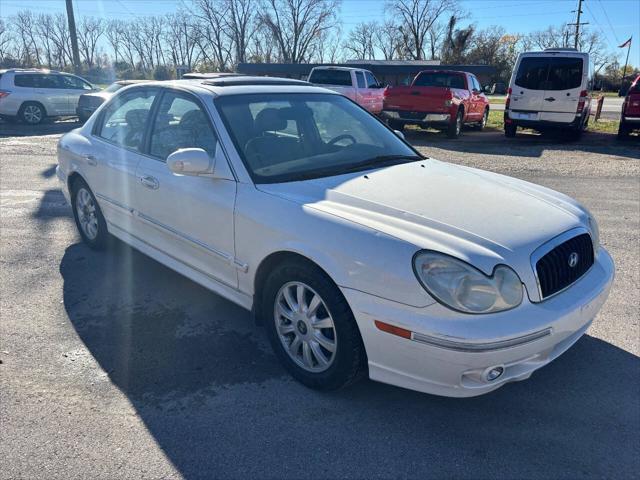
column 242, row 85
column 457, row 72
column 331, row 67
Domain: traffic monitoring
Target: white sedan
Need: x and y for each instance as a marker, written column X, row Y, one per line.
column 357, row 254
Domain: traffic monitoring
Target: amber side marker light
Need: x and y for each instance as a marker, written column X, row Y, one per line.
column 393, row 330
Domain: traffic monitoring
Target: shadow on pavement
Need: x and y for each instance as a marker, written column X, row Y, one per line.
column 493, row 142
column 204, row 381
column 47, row 127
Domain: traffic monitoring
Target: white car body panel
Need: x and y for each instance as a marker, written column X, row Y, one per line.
column 363, row 230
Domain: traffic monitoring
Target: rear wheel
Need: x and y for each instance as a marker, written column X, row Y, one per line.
column 510, row 130
column 455, row 129
column 395, row 125
column 31, row 113
column 623, row 131
column 311, row 327
column 88, row 216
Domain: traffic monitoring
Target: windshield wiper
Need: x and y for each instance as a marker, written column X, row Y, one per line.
column 379, row 161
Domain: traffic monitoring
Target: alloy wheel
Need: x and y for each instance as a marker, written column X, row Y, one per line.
column 86, row 211
column 32, row 114
column 305, row 327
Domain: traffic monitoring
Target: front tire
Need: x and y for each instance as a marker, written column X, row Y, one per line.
column 88, row 216
column 311, row 327
column 484, row 121
column 32, row 113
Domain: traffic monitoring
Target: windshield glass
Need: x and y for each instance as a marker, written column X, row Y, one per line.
column 289, row 137
column 114, row 87
column 439, row 79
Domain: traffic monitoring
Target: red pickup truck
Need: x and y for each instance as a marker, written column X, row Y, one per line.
column 445, row 99
column 630, row 116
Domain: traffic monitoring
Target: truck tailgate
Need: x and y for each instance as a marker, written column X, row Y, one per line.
column 417, row 99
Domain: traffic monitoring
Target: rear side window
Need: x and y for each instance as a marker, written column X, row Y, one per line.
column 331, row 77
column 439, row 79
column 124, row 120
column 550, row 73
column 180, row 123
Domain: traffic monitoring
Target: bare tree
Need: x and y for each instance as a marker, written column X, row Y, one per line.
column 182, row 38
column 297, row 24
column 114, row 33
column 417, row 17
column 62, row 40
column 24, row 24
column 214, row 35
column 241, row 24
column 388, row 39
column 89, row 31
column 456, row 42
column 361, row 41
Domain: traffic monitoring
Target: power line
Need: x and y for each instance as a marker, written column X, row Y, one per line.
column 606, row 15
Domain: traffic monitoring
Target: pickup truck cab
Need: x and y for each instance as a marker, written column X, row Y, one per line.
column 437, row 98
column 354, row 83
column 630, row 117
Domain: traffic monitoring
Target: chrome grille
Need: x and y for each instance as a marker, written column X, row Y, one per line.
column 565, row 264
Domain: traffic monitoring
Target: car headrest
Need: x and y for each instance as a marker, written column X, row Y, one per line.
column 269, row 120
column 137, row 117
column 193, row 118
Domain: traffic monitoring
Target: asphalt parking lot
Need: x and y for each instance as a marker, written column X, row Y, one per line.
column 113, row 366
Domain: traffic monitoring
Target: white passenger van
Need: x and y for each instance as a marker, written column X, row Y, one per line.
column 547, row 90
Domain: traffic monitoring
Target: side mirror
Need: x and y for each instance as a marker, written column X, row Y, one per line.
column 191, row 161
column 399, row 133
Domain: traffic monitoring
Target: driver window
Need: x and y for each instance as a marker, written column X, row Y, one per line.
column 371, row 80
column 125, row 119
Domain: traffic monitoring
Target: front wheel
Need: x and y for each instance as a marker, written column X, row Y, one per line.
column 455, row 128
column 88, row 216
column 510, row 130
column 311, row 327
column 485, row 119
column 31, row 113
column 395, row 125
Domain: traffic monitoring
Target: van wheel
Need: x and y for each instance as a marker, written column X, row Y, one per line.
column 623, row 131
column 455, row 129
column 395, row 125
column 31, row 113
column 510, row 130
column 311, row 327
column 88, row 216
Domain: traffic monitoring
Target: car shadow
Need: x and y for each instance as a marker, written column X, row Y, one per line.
column 47, row 127
column 203, row 379
column 526, row 144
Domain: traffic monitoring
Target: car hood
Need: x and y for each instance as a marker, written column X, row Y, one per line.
column 478, row 216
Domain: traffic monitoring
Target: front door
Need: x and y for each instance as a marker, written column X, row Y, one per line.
column 189, row 218
column 73, row 87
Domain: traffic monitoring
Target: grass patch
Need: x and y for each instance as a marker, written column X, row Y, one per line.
column 496, row 101
column 606, row 94
column 604, row 126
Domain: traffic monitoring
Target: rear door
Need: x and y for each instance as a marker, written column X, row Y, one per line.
column 74, row 87
column 562, row 88
column 374, row 91
column 528, row 90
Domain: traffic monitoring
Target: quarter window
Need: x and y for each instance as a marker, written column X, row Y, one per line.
column 180, row 123
column 125, row 119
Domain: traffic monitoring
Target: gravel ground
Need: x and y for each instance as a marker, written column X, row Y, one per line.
column 113, row 366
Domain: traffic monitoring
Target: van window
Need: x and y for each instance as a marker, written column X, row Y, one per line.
column 331, row 77
column 439, row 79
column 549, row 73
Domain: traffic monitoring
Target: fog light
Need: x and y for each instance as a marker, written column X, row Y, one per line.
column 494, row 373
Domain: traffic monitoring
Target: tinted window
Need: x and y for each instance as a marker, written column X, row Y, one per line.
column 564, row 73
column 360, row 79
column 331, row 77
column 532, row 73
column 124, row 119
column 24, row 80
column 180, row 123
column 48, row 81
column 438, row 79
column 371, row 80
column 73, row 83
column 474, row 83
column 288, row 137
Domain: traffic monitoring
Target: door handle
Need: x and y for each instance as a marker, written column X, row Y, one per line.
column 550, row 99
column 91, row 160
column 150, row 182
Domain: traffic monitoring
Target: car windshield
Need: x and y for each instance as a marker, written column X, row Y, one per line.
column 114, row 87
column 290, row 137
column 439, row 79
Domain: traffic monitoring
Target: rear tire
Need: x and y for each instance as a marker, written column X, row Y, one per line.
column 290, row 327
column 32, row 113
column 88, row 216
column 395, row 125
column 510, row 130
column 455, row 129
column 623, row 131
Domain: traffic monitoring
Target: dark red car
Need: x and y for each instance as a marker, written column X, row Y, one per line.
column 446, row 99
column 630, row 117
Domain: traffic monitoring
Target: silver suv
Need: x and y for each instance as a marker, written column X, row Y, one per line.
column 32, row 95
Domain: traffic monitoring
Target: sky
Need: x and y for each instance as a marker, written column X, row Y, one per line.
column 617, row 20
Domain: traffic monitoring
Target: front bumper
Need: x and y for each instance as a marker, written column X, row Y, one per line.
column 460, row 349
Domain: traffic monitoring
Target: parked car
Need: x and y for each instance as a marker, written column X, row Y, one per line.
column 630, row 116
column 89, row 102
column 549, row 90
column 31, row 95
column 356, row 253
column 437, row 98
column 355, row 83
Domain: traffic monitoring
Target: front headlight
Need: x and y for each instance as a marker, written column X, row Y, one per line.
column 462, row 287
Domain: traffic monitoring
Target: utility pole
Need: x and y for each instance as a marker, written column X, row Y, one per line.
column 578, row 24
column 74, row 37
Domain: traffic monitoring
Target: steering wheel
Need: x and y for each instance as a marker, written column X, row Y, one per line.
column 344, row 136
